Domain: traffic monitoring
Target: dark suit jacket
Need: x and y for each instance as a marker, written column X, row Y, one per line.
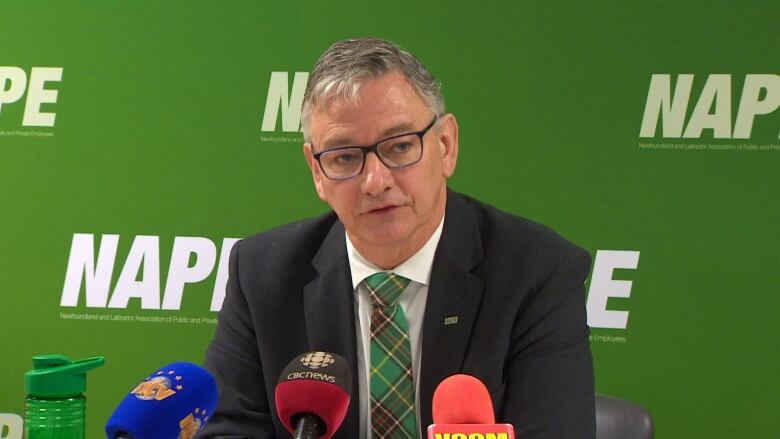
column 516, row 287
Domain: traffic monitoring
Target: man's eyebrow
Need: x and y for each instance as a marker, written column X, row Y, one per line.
column 400, row 128
column 337, row 142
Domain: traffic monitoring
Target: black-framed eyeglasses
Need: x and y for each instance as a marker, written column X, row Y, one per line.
column 395, row 152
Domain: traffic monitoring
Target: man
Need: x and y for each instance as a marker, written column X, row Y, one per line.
column 473, row 290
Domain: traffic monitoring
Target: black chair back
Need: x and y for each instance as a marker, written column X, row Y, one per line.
column 618, row 419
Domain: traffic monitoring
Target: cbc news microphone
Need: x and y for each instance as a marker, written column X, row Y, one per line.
column 462, row 409
column 312, row 396
column 172, row 402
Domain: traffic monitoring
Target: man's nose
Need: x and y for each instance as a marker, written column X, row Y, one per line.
column 377, row 177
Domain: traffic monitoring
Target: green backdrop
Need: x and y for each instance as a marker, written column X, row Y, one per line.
column 140, row 123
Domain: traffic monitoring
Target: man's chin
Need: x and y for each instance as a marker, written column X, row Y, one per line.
column 386, row 233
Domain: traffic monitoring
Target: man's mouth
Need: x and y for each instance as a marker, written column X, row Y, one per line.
column 383, row 209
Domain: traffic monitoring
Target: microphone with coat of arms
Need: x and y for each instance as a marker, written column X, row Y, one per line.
column 312, row 396
column 173, row 402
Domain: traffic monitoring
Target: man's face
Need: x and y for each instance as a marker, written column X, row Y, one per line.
column 385, row 210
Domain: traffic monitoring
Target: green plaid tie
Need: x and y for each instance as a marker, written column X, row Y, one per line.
column 392, row 386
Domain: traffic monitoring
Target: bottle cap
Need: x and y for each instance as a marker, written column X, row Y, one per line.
column 57, row 376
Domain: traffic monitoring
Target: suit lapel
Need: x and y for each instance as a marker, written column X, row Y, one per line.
column 453, row 301
column 330, row 316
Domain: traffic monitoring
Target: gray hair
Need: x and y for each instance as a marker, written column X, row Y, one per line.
column 348, row 64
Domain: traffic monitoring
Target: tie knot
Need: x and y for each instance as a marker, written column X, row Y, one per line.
column 384, row 288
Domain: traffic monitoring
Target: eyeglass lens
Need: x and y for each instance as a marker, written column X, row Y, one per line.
column 394, row 153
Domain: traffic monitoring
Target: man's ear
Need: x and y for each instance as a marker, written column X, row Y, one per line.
column 314, row 167
column 448, row 143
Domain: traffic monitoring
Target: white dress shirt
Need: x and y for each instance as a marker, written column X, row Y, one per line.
column 418, row 270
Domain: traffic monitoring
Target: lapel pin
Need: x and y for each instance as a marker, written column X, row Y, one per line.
column 451, row 320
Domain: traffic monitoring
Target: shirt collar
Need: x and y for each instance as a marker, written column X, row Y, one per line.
column 416, row 268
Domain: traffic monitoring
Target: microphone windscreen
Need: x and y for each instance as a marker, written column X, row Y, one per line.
column 316, row 383
column 462, row 399
column 174, row 401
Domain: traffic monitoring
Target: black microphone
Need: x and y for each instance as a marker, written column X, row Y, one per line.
column 172, row 402
column 312, row 396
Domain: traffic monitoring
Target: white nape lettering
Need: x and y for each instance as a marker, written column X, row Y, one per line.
column 602, row 287
column 290, row 103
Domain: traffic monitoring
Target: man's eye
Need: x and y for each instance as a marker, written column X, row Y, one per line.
column 345, row 157
column 398, row 147
column 402, row 146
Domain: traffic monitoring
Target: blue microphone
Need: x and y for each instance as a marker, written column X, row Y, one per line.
column 172, row 402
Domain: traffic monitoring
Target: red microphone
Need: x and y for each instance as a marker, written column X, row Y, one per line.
column 462, row 409
column 312, row 396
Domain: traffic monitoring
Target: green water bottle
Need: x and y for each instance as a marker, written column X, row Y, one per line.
column 55, row 407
